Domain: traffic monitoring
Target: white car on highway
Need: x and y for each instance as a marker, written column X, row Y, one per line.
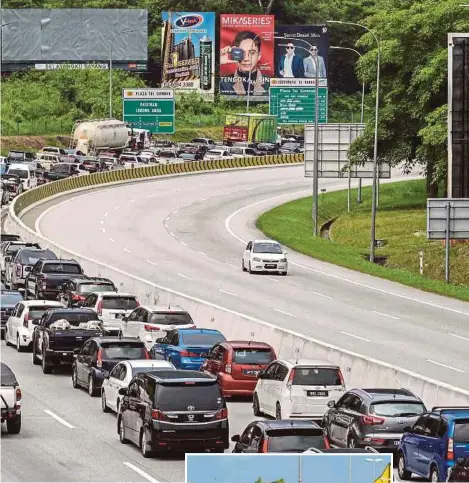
column 218, row 153
column 264, row 256
column 20, row 324
column 111, row 305
column 121, row 376
column 297, row 389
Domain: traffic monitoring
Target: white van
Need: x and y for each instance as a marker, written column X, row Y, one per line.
column 241, row 151
column 26, row 173
column 48, row 159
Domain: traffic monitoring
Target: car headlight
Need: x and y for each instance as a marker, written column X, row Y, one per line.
column 283, row 260
column 256, row 260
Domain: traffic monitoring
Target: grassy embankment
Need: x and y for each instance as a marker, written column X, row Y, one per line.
column 401, row 221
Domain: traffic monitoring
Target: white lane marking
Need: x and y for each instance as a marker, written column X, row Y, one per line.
column 273, row 279
column 183, row 243
column 322, row 295
column 140, row 472
column 284, row 313
column 175, row 211
column 444, row 365
column 117, row 207
column 178, row 189
column 105, row 214
column 103, row 230
column 386, row 315
column 321, row 272
column 184, row 276
column 226, row 291
column 102, row 222
column 131, row 201
column 354, row 336
column 153, row 195
column 127, row 250
column 460, row 337
column 204, row 254
column 150, row 262
column 171, row 233
column 203, row 199
column 111, row 240
column 231, row 265
column 59, row 419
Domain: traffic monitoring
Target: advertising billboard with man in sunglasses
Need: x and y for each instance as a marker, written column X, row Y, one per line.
column 298, row 49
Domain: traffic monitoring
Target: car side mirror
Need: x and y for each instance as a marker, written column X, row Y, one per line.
column 122, row 391
column 331, row 404
column 407, row 429
column 235, row 438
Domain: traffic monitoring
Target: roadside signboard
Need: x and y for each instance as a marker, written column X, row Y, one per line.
column 151, row 109
column 293, row 101
column 448, row 218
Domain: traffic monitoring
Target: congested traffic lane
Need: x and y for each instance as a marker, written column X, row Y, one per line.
column 48, row 450
column 184, row 233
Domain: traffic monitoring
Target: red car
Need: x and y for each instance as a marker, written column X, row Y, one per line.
column 237, row 364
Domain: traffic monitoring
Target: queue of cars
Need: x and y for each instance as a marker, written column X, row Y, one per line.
column 168, row 379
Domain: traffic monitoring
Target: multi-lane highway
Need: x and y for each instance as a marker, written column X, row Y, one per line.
column 187, row 233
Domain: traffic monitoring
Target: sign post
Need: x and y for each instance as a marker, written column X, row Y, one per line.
column 151, row 109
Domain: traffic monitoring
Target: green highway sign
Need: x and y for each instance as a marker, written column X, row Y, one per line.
column 293, row 101
column 151, row 109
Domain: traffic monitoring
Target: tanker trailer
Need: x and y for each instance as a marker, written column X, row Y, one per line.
column 93, row 136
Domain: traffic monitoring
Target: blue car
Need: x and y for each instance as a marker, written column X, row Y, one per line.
column 434, row 443
column 186, row 348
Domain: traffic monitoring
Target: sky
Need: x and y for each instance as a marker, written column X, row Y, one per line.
column 232, row 468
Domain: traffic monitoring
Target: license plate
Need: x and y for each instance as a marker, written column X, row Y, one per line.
column 318, row 393
column 250, row 372
column 396, row 443
column 271, row 265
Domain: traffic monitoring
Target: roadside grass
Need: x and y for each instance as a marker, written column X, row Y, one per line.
column 401, row 222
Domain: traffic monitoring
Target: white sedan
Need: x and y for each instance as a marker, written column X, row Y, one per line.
column 121, row 376
column 264, row 256
column 218, row 154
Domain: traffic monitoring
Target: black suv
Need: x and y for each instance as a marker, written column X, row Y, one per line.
column 174, row 410
column 371, row 417
column 76, row 289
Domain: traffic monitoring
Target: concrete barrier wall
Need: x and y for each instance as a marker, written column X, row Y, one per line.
column 359, row 371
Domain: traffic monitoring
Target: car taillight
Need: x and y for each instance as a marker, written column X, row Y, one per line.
column 158, row 415
column 19, row 270
column 326, row 443
column 290, row 379
column 25, row 320
column 341, row 377
column 450, row 452
column 150, row 328
column 99, row 359
column 100, row 308
column 372, row 420
column 18, row 394
column 185, row 353
column 77, row 297
column 228, row 368
column 265, row 446
column 138, row 303
column 222, row 414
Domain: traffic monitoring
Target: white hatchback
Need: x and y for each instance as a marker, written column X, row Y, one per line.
column 297, row 389
column 20, row 324
column 111, row 305
column 264, row 256
column 121, row 376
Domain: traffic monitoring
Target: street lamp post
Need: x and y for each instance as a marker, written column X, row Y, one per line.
column 110, row 65
column 373, row 461
column 250, row 69
column 359, row 193
column 375, row 150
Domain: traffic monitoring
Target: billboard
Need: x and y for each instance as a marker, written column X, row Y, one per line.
column 297, row 47
column 458, row 116
column 75, row 38
column 188, row 49
column 246, row 56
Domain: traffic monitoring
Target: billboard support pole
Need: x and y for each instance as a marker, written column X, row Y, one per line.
column 447, row 240
column 316, row 151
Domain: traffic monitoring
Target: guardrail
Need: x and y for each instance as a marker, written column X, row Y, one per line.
column 360, row 371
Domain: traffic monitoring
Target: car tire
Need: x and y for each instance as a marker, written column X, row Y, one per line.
column 14, row 424
column 46, row 368
column 92, row 386
column 104, row 405
column 278, row 411
column 6, row 337
column 144, row 444
column 256, row 407
column 351, row 441
column 36, row 360
column 243, row 268
column 122, row 437
column 434, row 476
column 402, row 472
column 250, row 269
column 19, row 347
column 284, row 274
column 75, row 384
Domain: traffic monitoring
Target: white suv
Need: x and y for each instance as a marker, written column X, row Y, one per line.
column 20, row 325
column 111, row 305
column 297, row 389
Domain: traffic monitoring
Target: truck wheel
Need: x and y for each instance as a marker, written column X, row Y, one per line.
column 14, row 424
column 46, row 368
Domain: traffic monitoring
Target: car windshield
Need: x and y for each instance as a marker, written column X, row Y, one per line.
column 22, row 173
column 138, row 370
column 74, row 319
column 461, row 431
column 11, row 298
column 236, row 151
column 316, row 376
column 291, row 146
column 120, row 303
column 215, row 152
column 253, row 356
column 397, row 408
column 96, row 287
column 30, row 257
column 61, row 168
column 295, row 440
column 175, row 318
column 123, row 351
column 38, row 312
column 207, row 339
column 267, row 248
column 13, row 248
column 178, row 397
column 61, row 268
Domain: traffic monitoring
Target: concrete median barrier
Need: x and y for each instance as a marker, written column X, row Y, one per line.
column 359, row 371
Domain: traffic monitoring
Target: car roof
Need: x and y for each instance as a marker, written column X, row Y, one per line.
column 242, row 344
column 400, row 394
column 85, row 278
column 49, row 303
column 163, row 308
column 182, row 375
column 452, row 412
column 199, row 331
column 147, row 363
column 75, row 310
column 10, row 292
column 287, row 423
column 308, row 362
column 266, row 241
column 115, row 294
column 113, row 339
